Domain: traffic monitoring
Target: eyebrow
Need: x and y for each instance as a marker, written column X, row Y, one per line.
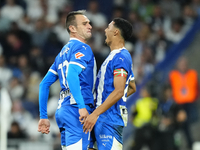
column 86, row 22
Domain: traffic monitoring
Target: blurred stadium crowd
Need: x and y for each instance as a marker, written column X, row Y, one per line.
column 32, row 32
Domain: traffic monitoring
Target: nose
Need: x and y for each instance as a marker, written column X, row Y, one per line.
column 90, row 27
column 105, row 29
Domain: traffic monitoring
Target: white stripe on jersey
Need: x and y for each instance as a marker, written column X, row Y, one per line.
column 116, row 145
column 75, row 63
column 94, row 77
column 100, row 87
column 53, row 71
column 133, row 78
column 72, row 100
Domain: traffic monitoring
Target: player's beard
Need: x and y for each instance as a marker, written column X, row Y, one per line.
column 108, row 43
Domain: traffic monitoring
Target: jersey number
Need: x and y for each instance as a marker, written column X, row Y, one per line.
column 64, row 67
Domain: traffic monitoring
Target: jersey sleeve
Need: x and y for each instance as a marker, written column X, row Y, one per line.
column 132, row 74
column 120, row 62
column 53, row 69
column 81, row 55
column 45, row 84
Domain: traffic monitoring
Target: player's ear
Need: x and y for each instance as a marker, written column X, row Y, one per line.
column 72, row 29
column 116, row 32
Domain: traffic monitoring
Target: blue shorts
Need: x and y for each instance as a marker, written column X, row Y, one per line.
column 108, row 137
column 67, row 118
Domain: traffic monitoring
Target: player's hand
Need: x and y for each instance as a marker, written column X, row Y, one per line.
column 83, row 115
column 43, row 126
column 90, row 122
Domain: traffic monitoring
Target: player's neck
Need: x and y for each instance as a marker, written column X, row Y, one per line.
column 117, row 44
column 78, row 37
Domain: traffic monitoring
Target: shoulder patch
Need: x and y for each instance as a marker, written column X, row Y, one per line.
column 79, row 55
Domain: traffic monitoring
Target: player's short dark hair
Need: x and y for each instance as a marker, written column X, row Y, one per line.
column 124, row 26
column 71, row 19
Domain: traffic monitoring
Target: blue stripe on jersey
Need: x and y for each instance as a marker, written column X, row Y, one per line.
column 120, row 58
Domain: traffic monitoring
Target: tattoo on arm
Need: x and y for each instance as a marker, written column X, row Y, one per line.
column 130, row 89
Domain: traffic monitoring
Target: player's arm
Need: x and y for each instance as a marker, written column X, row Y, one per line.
column 48, row 80
column 131, row 88
column 74, row 86
column 117, row 94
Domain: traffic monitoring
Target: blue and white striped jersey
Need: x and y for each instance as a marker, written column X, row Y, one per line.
column 79, row 53
column 117, row 114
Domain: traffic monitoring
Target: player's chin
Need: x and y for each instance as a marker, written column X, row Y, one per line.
column 106, row 41
column 89, row 35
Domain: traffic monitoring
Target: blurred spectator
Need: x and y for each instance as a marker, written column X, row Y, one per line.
column 20, row 115
column 6, row 73
column 99, row 23
column 40, row 34
column 177, row 31
column 158, row 20
column 195, row 4
column 172, row 117
column 160, row 46
column 12, row 11
column 142, row 47
column 26, row 24
column 46, row 9
column 184, row 82
column 141, row 43
column 21, row 33
column 189, row 16
column 32, row 92
column 118, row 12
column 16, row 89
column 15, row 45
column 16, row 132
column 34, row 10
column 52, row 45
column 145, row 121
column 144, row 8
column 37, row 61
column 171, row 8
column 60, row 28
column 4, row 23
column 119, row 2
column 137, row 24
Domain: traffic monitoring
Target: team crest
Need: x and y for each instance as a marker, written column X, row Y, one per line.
column 79, row 55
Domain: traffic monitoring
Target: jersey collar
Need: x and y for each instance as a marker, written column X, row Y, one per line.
column 74, row 39
column 116, row 50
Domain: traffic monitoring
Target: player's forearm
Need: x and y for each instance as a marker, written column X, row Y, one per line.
column 74, row 84
column 43, row 98
column 109, row 102
column 47, row 81
column 130, row 91
column 131, row 88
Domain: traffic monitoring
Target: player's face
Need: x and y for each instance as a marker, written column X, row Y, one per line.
column 109, row 33
column 83, row 27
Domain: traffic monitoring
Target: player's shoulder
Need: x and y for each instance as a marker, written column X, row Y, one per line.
column 78, row 44
column 84, row 46
column 123, row 55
